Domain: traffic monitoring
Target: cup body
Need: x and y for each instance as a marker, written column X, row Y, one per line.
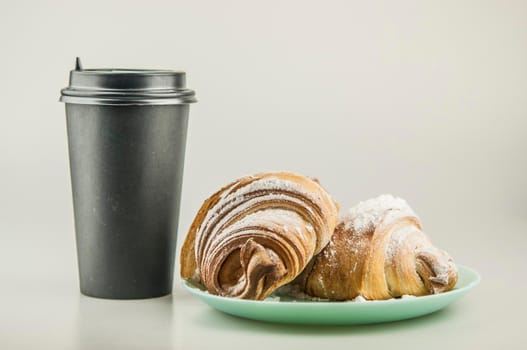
column 126, row 165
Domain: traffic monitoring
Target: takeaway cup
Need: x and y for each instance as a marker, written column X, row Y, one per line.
column 126, row 136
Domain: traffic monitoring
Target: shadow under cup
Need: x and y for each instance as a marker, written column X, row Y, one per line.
column 126, row 135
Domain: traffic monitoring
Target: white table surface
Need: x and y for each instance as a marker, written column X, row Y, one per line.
column 41, row 308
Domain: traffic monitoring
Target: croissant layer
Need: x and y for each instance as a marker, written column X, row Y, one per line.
column 258, row 233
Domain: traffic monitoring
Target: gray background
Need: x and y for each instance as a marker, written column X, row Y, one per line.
column 423, row 99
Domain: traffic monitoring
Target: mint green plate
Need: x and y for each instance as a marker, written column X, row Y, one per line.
column 300, row 311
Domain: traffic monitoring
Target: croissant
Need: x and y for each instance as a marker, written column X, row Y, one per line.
column 378, row 251
column 258, row 233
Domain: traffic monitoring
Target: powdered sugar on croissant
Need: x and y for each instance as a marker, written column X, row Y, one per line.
column 379, row 251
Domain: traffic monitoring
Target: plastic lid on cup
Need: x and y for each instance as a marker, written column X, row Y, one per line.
column 126, row 87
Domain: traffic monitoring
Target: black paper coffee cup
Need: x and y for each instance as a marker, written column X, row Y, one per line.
column 126, row 135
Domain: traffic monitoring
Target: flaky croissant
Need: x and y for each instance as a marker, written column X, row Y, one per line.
column 258, row 233
column 378, row 251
